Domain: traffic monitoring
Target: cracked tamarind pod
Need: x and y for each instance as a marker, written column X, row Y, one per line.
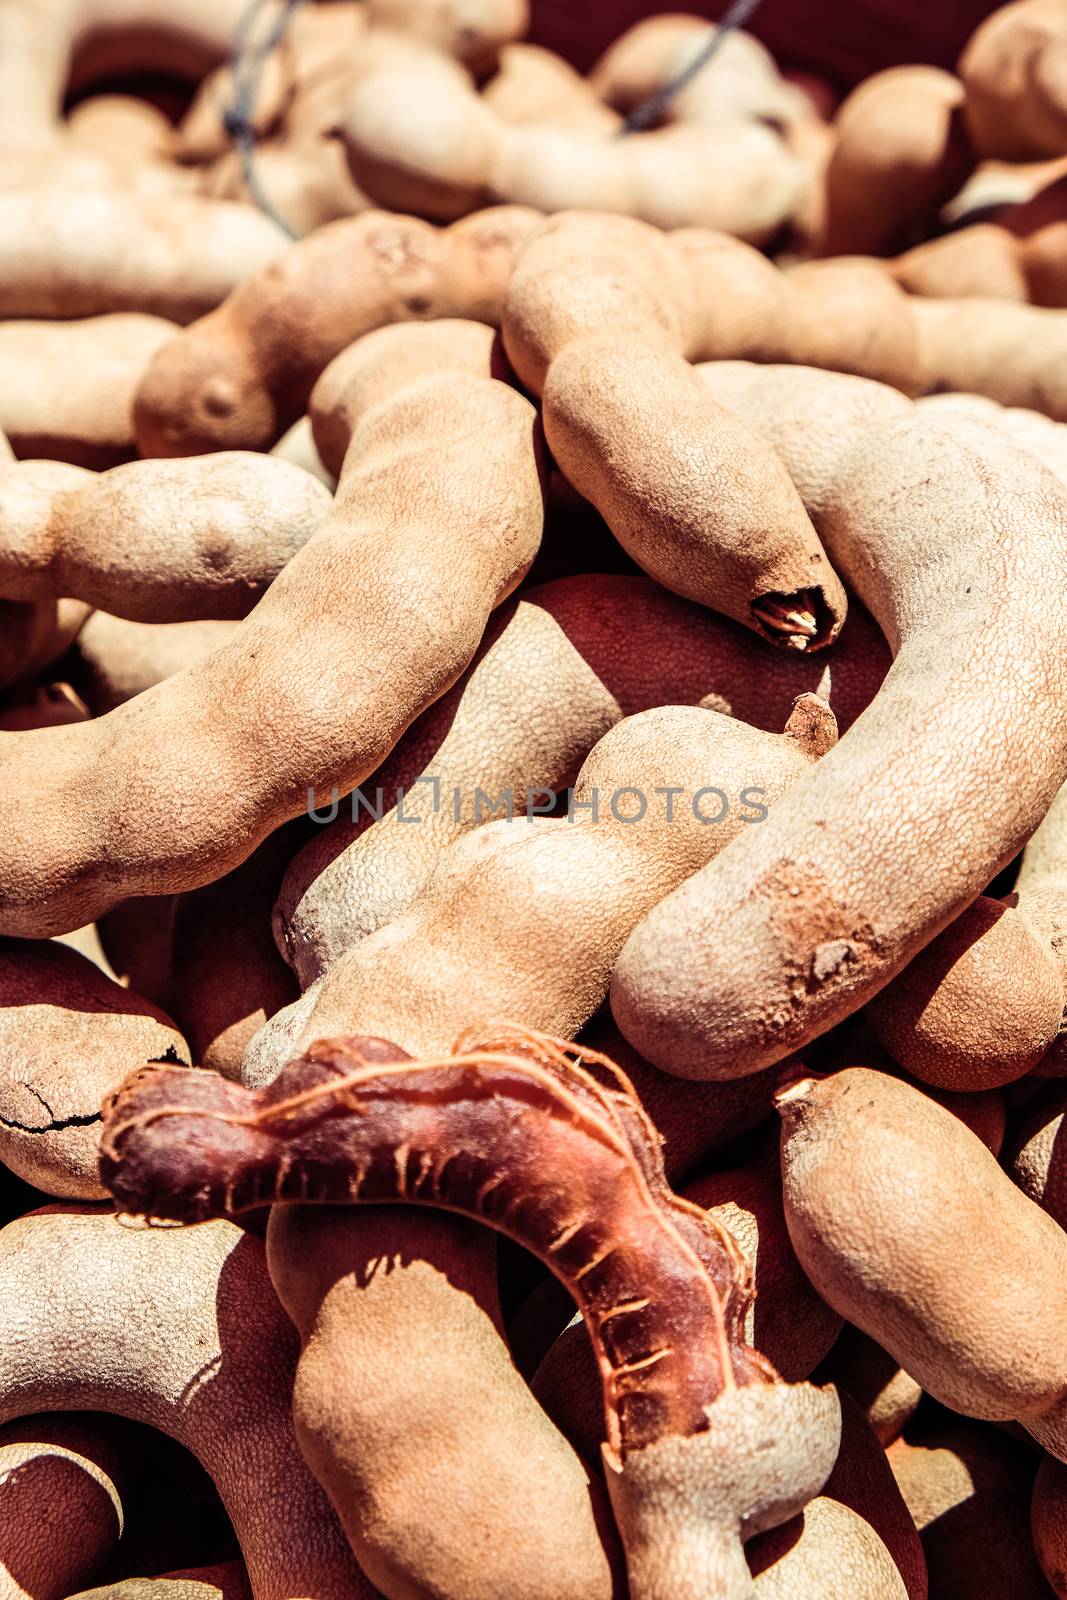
column 66, row 1032
column 953, row 1302
column 639, row 819
column 239, row 377
column 264, row 725
column 156, row 541
column 663, row 1290
column 181, row 1330
column 868, row 859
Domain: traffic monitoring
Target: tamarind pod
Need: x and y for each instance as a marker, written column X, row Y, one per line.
column 673, row 1363
column 1034, row 1153
column 532, row 84
column 861, row 1369
column 179, row 1329
column 239, row 378
column 107, row 249
column 473, row 940
column 66, row 1031
column 1013, row 72
column 69, row 386
column 353, row 382
column 883, row 1259
column 1045, row 439
column 120, row 659
column 227, row 1581
column 418, row 138
column 34, row 634
column 827, row 901
column 343, row 701
column 520, row 722
column 740, row 81
column 1047, row 1522
column 297, row 445
column 308, row 182
column 981, row 260
column 901, row 152
column 822, row 1544
column 40, row 43
column 473, row 34
column 605, row 344
column 968, row 1489
column 226, row 976
column 232, row 521
column 123, row 126
column 992, row 365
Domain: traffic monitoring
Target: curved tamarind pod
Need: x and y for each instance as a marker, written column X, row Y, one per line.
column 226, row 977
column 596, row 322
column 69, row 386
column 884, row 1392
column 1016, row 256
column 66, row 1030
column 1034, row 1155
column 367, row 578
column 662, row 1288
column 740, row 81
column 123, row 126
column 99, row 250
column 418, row 138
column 240, row 377
column 40, row 43
column 901, row 153
column 532, row 84
column 473, row 938
column 1045, row 439
column 1047, row 1521
column 180, row 1330
column 120, row 659
column 520, row 722
column 825, row 903
column 992, row 365
column 914, row 1271
column 1015, row 73
column 307, row 181
column 156, row 541
column 353, row 382
column 227, row 1581
column 968, row 1489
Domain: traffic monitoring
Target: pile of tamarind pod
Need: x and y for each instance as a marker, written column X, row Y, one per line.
column 533, row 784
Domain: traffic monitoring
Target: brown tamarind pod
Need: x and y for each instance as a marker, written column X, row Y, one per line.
column 884, row 1392
column 68, row 394
column 156, row 541
column 1034, row 1152
column 835, row 895
column 532, row 84
column 239, row 378
column 1017, row 361
column 66, row 1031
column 226, row 1581
column 680, row 1398
column 968, row 1489
column 901, row 153
column 1043, row 437
column 119, row 659
column 883, row 1259
column 1047, row 1509
column 1015, row 73
column 34, row 634
column 470, row 527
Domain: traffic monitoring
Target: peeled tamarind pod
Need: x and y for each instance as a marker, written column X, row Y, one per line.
column 885, row 1393
column 914, row 1270
column 238, row 378
column 596, row 322
column 226, row 976
column 41, row 42
column 639, row 820
column 1015, row 73
column 968, row 1489
column 227, row 1581
column 66, row 1032
column 837, row 892
column 120, row 659
column 418, row 138
column 156, row 541
column 1034, row 1155
column 663, row 1289
column 425, row 538
column 69, row 386
column 108, row 249
column 1048, row 1521
column 986, row 1002
column 180, row 1330
column 901, row 153
column 519, row 723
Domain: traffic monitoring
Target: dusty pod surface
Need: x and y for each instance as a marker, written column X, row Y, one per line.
column 685, row 1483
column 912, row 1269
column 835, row 894
column 70, row 385
column 66, row 1034
column 180, row 1330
